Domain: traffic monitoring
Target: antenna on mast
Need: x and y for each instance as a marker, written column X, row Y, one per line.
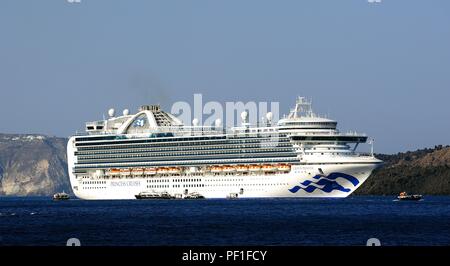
column 302, row 105
column 371, row 146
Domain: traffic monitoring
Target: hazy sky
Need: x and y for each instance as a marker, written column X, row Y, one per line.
column 382, row 69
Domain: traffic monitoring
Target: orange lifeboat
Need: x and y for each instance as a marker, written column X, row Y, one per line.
column 216, row 169
column 150, row 171
column 254, row 168
column 113, row 172
column 269, row 168
column 284, row 167
column 162, row 170
column 242, row 168
column 125, row 172
column 229, row 169
column 137, row 171
column 173, row 170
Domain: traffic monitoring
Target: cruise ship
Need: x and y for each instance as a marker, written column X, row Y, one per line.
column 301, row 155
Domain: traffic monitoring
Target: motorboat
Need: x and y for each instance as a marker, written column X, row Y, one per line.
column 61, row 196
column 153, row 195
column 405, row 196
column 194, row 195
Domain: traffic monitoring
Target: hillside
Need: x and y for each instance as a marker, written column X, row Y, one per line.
column 425, row 171
column 32, row 165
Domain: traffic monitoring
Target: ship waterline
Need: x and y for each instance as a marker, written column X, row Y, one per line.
column 152, row 151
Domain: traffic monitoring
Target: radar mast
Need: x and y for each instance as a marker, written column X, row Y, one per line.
column 303, row 107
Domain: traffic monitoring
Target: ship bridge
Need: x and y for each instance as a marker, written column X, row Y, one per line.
column 303, row 117
column 306, row 123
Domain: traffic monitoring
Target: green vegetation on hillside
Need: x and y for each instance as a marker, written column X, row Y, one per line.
column 425, row 171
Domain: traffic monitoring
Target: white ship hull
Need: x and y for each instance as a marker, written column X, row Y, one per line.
column 301, row 182
column 152, row 153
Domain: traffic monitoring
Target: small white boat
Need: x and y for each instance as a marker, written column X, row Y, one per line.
column 153, row 195
column 232, row 196
column 194, row 195
column 405, row 196
column 61, row 196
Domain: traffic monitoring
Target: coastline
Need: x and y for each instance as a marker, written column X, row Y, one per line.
column 32, row 165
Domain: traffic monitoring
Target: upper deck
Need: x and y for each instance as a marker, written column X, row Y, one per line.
column 302, row 124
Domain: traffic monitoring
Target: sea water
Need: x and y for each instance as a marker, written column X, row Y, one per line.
column 351, row 221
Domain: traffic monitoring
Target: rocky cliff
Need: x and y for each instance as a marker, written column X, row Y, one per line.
column 425, row 171
column 32, row 165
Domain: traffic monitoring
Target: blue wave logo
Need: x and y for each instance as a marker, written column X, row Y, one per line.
column 328, row 183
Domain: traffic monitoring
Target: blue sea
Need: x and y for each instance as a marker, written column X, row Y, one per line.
column 343, row 222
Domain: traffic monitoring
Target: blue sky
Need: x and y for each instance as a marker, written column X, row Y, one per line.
column 382, row 69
